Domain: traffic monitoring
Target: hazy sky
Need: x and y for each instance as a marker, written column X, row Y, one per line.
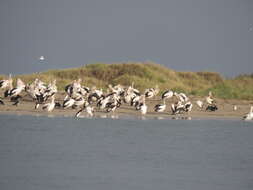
column 187, row 35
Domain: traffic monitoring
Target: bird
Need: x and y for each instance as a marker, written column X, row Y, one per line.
column 167, row 94
column 199, row 103
column 69, row 102
column 37, row 105
column 142, row 105
column 42, row 58
column 209, row 98
column 177, row 108
column 79, row 102
column 49, row 106
column 87, row 108
column 249, row 116
column 151, row 92
column 16, row 91
column 181, row 96
column 188, row 107
column 4, row 83
column 144, row 108
column 160, row 107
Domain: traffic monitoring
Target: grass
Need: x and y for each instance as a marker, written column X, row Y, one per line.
column 147, row 75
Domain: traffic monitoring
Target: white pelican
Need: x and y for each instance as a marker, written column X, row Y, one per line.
column 42, row 58
column 199, row 103
column 151, row 92
column 16, row 91
column 6, row 83
column 88, row 109
column 135, row 101
column 160, row 107
column 209, row 98
column 143, row 107
column 177, row 108
column 188, row 107
column 79, row 102
column 181, row 96
column 114, row 104
column 103, row 102
column 68, row 102
column 167, row 94
column 49, row 106
column 249, row 116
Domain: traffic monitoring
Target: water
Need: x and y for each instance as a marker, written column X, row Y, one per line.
column 41, row 153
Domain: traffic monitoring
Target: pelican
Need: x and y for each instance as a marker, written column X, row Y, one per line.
column 49, row 106
column 68, row 102
column 249, row 116
column 112, row 106
column 142, row 105
column 79, row 102
column 135, row 101
column 88, row 109
column 167, row 94
column 177, row 108
column 151, row 92
column 199, row 103
column 209, row 98
column 181, row 96
column 188, row 107
column 5, row 83
column 16, row 91
column 42, row 58
column 103, row 102
column 160, row 107
column 144, row 108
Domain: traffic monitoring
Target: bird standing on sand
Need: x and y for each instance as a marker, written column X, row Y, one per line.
column 143, row 107
column 199, row 104
column 89, row 110
column 209, row 99
column 167, row 94
column 6, row 83
column 249, row 116
column 49, row 106
column 160, row 107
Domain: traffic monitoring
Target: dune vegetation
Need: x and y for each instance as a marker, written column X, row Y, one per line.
column 147, row 75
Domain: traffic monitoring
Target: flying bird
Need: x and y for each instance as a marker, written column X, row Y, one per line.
column 42, row 58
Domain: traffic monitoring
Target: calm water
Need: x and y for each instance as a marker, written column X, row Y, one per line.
column 41, row 153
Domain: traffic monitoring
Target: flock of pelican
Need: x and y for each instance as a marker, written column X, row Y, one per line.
column 88, row 100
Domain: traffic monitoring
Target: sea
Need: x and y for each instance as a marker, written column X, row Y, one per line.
column 124, row 153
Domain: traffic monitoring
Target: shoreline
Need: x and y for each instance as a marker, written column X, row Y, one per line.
column 225, row 110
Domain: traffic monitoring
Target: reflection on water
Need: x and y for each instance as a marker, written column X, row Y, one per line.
column 143, row 153
column 181, row 117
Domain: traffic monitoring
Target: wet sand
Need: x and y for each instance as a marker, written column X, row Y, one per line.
column 225, row 109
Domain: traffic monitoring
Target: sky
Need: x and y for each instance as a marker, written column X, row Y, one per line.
column 184, row 35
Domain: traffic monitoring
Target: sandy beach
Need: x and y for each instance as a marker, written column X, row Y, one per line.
column 225, row 109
